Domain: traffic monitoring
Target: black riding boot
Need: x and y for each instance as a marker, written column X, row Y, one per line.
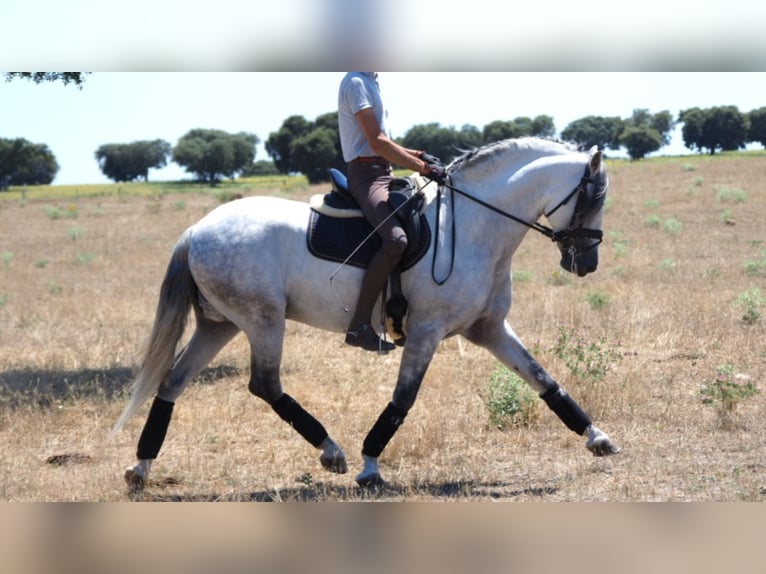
column 360, row 332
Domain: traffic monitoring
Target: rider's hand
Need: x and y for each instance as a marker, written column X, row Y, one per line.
column 435, row 172
column 430, row 159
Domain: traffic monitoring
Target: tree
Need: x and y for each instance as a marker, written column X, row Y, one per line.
column 722, row 128
column 600, row 131
column 77, row 78
column 214, row 154
column 645, row 132
column 26, row 163
column 640, row 140
column 500, row 130
column 129, row 162
column 541, row 126
column 315, row 152
column 307, row 147
column 444, row 142
column 757, row 131
column 279, row 142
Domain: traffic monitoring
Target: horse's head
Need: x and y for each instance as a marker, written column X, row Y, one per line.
column 579, row 241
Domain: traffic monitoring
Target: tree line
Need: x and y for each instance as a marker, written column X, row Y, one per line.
column 311, row 147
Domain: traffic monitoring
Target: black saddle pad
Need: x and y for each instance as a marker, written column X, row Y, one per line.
column 339, row 239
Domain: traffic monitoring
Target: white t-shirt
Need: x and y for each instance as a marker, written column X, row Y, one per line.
column 358, row 91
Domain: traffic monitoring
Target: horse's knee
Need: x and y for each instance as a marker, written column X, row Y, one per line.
column 265, row 385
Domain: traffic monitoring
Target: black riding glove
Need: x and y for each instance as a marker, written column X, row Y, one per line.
column 431, row 159
column 435, row 173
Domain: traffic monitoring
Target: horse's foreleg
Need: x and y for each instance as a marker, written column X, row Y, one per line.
column 412, row 371
column 507, row 347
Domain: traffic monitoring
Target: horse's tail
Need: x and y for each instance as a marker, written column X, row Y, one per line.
column 177, row 295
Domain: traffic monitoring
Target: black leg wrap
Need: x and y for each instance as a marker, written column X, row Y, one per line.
column 155, row 429
column 387, row 424
column 306, row 425
column 566, row 409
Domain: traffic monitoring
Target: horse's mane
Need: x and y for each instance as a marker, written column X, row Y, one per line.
column 479, row 155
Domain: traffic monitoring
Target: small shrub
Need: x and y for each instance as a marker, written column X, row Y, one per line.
column 7, row 258
column 756, row 268
column 53, row 212
column 667, row 265
column 41, row 263
column 653, row 221
column 688, row 167
column 726, row 392
column 727, row 217
column 672, row 226
column 74, row 233
column 727, row 195
column 620, row 247
column 751, row 301
column 651, row 204
column 598, row 299
column 587, row 361
column 84, row 258
column 510, row 401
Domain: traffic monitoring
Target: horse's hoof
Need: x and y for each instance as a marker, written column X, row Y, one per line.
column 136, row 483
column 336, row 464
column 370, row 480
column 603, row 447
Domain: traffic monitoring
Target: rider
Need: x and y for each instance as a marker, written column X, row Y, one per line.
column 370, row 152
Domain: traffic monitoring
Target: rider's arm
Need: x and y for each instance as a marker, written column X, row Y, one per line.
column 385, row 147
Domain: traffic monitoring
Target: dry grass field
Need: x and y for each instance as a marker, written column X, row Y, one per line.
column 677, row 295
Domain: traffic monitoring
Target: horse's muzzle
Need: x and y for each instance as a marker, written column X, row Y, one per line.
column 580, row 264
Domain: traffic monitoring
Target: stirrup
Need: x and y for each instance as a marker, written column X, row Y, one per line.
column 364, row 336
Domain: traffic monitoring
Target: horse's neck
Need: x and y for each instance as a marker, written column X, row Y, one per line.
column 524, row 188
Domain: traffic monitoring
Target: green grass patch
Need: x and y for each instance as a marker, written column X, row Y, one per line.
column 726, row 195
column 672, row 226
column 523, row 276
column 598, row 299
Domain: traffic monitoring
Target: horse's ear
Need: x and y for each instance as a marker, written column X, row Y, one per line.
column 595, row 159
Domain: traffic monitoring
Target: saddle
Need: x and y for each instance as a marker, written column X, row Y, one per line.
column 337, row 231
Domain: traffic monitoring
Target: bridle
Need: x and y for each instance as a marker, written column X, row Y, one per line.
column 566, row 239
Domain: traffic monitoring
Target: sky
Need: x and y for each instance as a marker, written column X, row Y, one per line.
column 122, row 107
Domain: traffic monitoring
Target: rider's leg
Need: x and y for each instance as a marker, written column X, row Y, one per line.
column 369, row 186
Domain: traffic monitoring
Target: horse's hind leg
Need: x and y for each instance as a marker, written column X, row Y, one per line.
column 265, row 384
column 208, row 339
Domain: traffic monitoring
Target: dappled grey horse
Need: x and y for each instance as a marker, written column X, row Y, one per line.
column 246, row 267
